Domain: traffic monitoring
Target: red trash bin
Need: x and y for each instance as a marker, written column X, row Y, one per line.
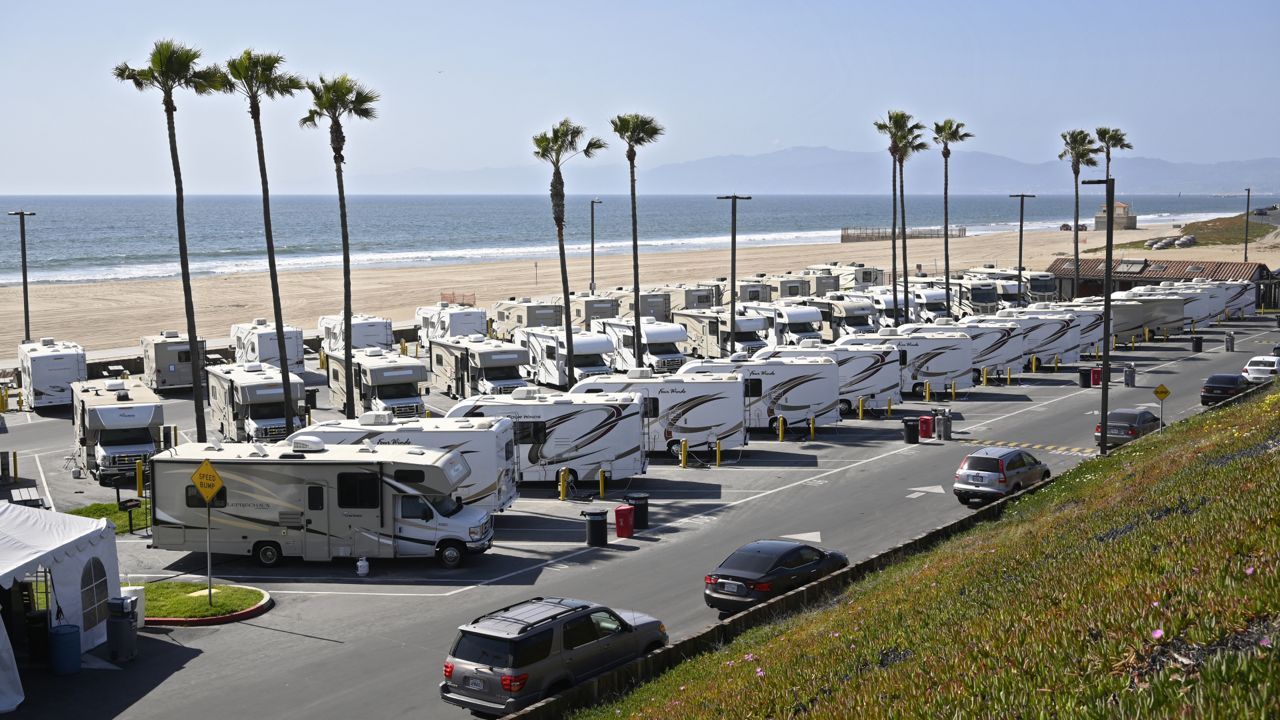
column 1095, row 376
column 624, row 517
column 926, row 426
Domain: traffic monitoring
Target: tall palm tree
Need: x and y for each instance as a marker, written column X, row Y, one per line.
column 172, row 66
column 257, row 76
column 886, row 127
column 636, row 130
column 338, row 98
column 1112, row 138
column 556, row 147
column 910, row 141
column 1078, row 147
column 947, row 133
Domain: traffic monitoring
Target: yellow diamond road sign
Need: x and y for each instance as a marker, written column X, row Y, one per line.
column 1161, row 392
column 207, row 481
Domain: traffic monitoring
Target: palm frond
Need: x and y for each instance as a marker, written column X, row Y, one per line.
column 1078, row 147
column 339, row 97
column 949, row 131
column 635, row 129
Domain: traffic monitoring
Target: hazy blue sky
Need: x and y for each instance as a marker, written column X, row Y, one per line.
column 465, row 85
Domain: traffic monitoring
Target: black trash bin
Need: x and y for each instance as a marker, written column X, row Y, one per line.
column 911, row 430
column 1197, row 344
column 639, row 501
column 597, row 527
column 1086, row 377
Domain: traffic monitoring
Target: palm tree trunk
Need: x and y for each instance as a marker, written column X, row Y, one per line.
column 557, row 214
column 1108, row 162
column 635, row 255
column 946, row 229
column 893, row 242
column 1075, row 237
column 193, row 339
column 281, row 347
column 902, row 202
column 348, row 408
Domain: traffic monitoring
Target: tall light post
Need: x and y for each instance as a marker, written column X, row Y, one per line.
column 1106, row 307
column 733, row 265
column 1248, row 197
column 22, row 242
column 594, row 203
column 1022, row 207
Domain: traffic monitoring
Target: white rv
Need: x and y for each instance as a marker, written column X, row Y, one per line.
column 487, row 444
column 1039, row 286
column 717, row 286
column 515, row 313
column 654, row 305
column 1160, row 313
column 701, row 408
column 659, row 344
column 797, row 389
column 449, row 320
column 1242, row 295
column 585, row 308
column 466, row 366
column 381, row 380
column 870, row 373
column 1043, row 336
column 939, row 358
column 974, row 297
column 853, row 276
column 786, row 286
column 789, row 321
column 753, row 291
column 1218, row 295
column 1127, row 316
column 117, row 423
column 931, row 304
column 882, row 299
column 1089, row 318
column 166, row 360
column 48, row 368
column 547, row 358
column 246, row 401
column 256, row 342
column 367, row 331
column 1198, row 306
column 708, row 332
column 997, row 346
column 317, row 502
column 584, row 433
column 688, row 297
column 821, row 281
column 843, row 314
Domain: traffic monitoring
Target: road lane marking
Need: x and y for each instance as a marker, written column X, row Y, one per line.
column 44, row 483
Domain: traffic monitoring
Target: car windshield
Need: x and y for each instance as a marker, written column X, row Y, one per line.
column 397, row 390
column 977, row 463
column 126, row 436
column 482, row 650
column 509, row 372
column 663, row 349
column 748, row 561
column 583, row 361
column 802, row 327
column 1122, row 416
column 983, row 295
column 266, row 411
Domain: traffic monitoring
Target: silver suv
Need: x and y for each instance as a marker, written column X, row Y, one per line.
column 513, row 657
column 994, row 472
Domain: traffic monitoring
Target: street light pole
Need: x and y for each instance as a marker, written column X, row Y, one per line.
column 594, row 203
column 22, row 240
column 1106, row 307
column 733, row 265
column 1022, row 207
column 1248, row 197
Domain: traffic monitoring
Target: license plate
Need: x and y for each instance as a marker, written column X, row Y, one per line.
column 473, row 683
column 731, row 587
column 977, row 480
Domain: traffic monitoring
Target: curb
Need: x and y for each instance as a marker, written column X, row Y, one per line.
column 248, row 613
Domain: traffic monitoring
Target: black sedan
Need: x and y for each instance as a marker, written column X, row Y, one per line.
column 1220, row 387
column 764, row 569
column 1126, row 425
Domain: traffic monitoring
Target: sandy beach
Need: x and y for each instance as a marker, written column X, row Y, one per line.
column 116, row 313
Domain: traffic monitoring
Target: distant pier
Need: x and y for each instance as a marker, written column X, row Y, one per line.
column 865, row 234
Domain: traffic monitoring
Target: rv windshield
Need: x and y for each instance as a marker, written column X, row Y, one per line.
column 936, row 306
column 396, row 391
column 746, row 336
column 983, row 295
column 126, row 436
column 266, row 411
column 583, row 361
column 857, row 320
column 443, row 504
column 1043, row 285
column 508, row 372
column 663, row 349
column 802, row 327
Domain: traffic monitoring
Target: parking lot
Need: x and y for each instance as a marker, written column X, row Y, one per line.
column 335, row 642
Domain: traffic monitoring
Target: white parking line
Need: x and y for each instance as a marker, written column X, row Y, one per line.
column 44, row 483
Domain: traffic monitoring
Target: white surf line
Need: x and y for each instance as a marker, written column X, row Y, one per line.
column 44, row 483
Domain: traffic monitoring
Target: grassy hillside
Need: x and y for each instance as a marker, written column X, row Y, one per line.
column 1145, row 584
column 1219, row 231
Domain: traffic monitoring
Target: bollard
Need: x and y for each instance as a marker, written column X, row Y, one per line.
column 684, row 453
column 564, row 483
column 888, row 408
column 782, row 427
column 953, row 392
column 1008, row 375
column 1146, row 334
column 13, row 465
column 926, row 391
column 1034, row 362
column 1097, row 350
column 1056, row 362
column 324, row 360
column 717, row 453
column 984, row 377
column 1193, row 326
column 1114, row 338
column 1165, row 332
column 404, row 347
column 308, row 416
column 813, row 428
column 137, row 478
column 862, row 407
column 601, row 483
column 4, row 398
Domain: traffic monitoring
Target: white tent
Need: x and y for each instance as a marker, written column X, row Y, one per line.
column 80, row 555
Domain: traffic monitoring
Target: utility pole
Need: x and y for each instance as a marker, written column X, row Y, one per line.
column 733, row 266
column 26, row 307
column 1022, row 207
column 1106, row 307
column 1248, row 197
column 594, row 203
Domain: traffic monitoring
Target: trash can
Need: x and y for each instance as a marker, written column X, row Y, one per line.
column 122, row 628
column 64, row 649
column 597, row 527
column 926, row 426
column 944, row 424
column 623, row 521
column 639, row 501
column 311, row 397
column 139, row 594
column 1230, row 341
column 1130, row 375
column 911, row 430
column 1197, row 344
column 1095, row 375
column 1086, row 377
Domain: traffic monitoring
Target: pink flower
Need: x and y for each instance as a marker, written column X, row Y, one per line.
column 835, row 634
column 1155, row 603
column 729, row 664
column 1248, row 570
column 1265, row 642
column 760, row 672
column 1157, row 634
column 749, row 657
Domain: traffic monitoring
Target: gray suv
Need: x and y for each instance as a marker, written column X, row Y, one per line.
column 513, row 657
column 994, row 472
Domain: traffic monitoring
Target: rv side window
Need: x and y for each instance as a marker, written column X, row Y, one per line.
column 196, row 500
column 315, row 497
column 593, row 390
column 184, row 356
column 531, row 433
column 337, row 376
column 902, row 357
column 628, row 342
column 754, row 387
column 439, row 359
column 410, row 476
column 509, row 451
column 357, row 490
column 551, row 352
column 651, row 407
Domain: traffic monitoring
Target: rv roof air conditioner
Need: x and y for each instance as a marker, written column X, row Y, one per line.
column 170, row 334
column 377, row 417
column 525, row 393
column 373, row 352
column 307, row 443
column 810, row 343
column 259, row 449
column 114, row 385
column 259, row 321
column 46, row 341
column 888, row 332
column 639, row 374
column 944, row 321
column 1006, row 313
column 253, row 367
column 738, row 357
column 475, row 337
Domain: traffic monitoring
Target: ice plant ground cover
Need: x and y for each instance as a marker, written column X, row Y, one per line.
column 1143, row 584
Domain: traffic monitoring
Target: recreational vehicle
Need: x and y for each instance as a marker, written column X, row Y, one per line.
column 255, row 342
column 367, row 331
column 48, row 368
column 584, row 433
column 974, row 297
column 717, row 287
column 1218, row 295
column 931, row 304
column 466, row 366
column 585, row 308
column 869, row 373
column 1044, row 337
column 786, row 286
column 1089, row 319
column 487, row 444
column 246, row 401
column 853, row 276
column 1160, row 313
column 941, row 359
column 821, row 281
column 753, row 291
column 688, row 297
column 1127, row 316
column 515, row 313
column 547, row 359
column 889, row 315
column 449, row 320
column 381, row 380
column 843, row 314
column 1242, row 295
column 789, row 321
column 166, row 360
column 795, row 389
column 318, row 502
column 702, row 409
column 1039, row 286
column 707, row 332
column 654, row 305
column 1198, row 306
column 117, row 423
column 659, row 344
column 997, row 346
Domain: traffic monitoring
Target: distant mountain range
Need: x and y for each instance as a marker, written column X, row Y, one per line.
column 821, row 170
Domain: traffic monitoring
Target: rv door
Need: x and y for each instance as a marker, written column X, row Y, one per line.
column 462, row 373
column 415, row 522
column 315, row 525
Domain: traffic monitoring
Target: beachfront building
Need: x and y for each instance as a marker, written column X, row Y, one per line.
column 1125, row 218
column 1128, row 273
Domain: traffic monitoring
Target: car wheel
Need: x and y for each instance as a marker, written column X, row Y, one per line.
column 266, row 554
column 556, row 688
column 1017, row 487
column 1045, row 476
column 450, row 554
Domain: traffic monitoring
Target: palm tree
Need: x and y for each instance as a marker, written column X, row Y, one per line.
column 257, row 76
column 1112, row 138
column 556, row 147
column 337, row 98
column 1078, row 147
column 910, row 141
column 172, row 66
column 947, row 133
column 636, row 130
column 886, row 127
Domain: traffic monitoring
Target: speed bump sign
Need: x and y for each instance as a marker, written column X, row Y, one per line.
column 1161, row 392
column 207, row 481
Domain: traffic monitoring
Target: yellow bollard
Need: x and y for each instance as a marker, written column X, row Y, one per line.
column 927, row 390
column 308, row 416
column 953, row 392
column 1056, row 362
column 1034, row 363
column 427, row 410
column 137, row 478
column 1133, row 342
column 1097, row 350
column 564, row 484
column 717, row 453
column 1165, row 332
column 782, row 428
column 1008, row 376
column 984, row 376
column 1193, row 327
column 684, row 453
column 404, row 347
column 888, row 408
column 1146, row 335
column 4, row 398
column 601, row 483
column 862, row 407
column 324, row 360
column 813, row 428
column 1114, row 338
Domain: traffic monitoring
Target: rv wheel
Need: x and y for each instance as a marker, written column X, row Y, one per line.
column 267, row 554
column 918, row 389
column 846, row 407
column 450, row 554
column 673, row 447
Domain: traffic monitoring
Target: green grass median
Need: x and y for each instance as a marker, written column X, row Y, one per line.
column 1143, row 584
column 117, row 516
column 189, row 600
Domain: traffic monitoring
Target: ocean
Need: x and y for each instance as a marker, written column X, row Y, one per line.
column 93, row 238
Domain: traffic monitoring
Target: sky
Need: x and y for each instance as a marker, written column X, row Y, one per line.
column 466, row 85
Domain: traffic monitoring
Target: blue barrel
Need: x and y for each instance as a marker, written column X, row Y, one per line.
column 64, row 649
